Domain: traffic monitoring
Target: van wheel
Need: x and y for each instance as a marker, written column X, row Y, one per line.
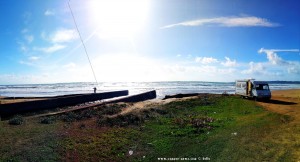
column 254, row 98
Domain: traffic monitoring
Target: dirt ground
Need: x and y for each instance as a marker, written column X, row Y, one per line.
column 285, row 102
column 139, row 106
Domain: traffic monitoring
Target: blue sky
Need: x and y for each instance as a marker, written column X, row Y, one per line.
column 149, row 40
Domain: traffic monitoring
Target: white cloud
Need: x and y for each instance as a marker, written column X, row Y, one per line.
column 33, row 58
column 31, row 61
column 208, row 69
column 255, row 68
column 49, row 12
column 227, row 71
column 274, row 58
column 25, row 30
column 294, row 69
column 241, row 21
column 51, row 49
column 23, row 78
column 44, row 35
column 27, row 17
column 23, row 47
column 26, row 63
column 62, row 35
column 229, row 62
column 205, row 60
column 276, row 66
column 178, row 55
column 29, row 38
column 70, row 65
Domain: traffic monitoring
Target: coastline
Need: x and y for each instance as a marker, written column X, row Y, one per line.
column 162, row 88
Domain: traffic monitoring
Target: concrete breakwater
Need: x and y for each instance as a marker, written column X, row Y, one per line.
column 54, row 102
column 136, row 98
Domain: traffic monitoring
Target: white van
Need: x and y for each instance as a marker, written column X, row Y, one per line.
column 253, row 89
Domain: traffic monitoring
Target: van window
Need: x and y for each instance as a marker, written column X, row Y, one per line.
column 262, row 87
column 243, row 85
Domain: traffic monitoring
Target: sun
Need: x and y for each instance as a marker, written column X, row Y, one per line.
column 118, row 18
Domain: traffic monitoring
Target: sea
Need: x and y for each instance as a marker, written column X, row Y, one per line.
column 162, row 88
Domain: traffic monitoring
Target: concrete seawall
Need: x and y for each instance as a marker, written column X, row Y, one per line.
column 136, row 98
column 58, row 101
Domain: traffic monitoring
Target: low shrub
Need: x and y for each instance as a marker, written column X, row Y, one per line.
column 70, row 117
column 120, row 120
column 89, row 113
column 47, row 120
column 16, row 120
column 200, row 123
column 111, row 109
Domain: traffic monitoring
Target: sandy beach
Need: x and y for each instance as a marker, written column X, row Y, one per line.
column 285, row 102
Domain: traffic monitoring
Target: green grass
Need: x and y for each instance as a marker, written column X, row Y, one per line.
column 240, row 131
column 30, row 141
column 219, row 128
column 99, row 145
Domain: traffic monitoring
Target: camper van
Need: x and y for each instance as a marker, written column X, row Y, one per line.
column 253, row 89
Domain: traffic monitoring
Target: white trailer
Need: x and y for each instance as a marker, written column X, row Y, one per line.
column 253, row 89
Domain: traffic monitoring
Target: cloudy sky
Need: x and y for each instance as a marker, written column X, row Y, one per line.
column 149, row 40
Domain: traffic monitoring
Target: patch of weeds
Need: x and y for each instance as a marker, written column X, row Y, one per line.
column 110, row 145
column 203, row 122
column 47, row 120
column 180, row 122
column 199, row 123
column 153, row 113
column 102, row 121
column 16, row 120
column 111, row 109
column 246, row 112
column 10, row 159
column 82, row 126
column 89, row 113
column 286, row 118
column 120, row 120
column 159, row 111
column 70, row 117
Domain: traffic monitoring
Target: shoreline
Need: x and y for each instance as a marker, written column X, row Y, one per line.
column 277, row 92
column 163, row 88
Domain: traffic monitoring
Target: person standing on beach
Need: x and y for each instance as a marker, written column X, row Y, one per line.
column 95, row 89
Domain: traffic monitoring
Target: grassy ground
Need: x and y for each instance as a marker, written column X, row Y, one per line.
column 28, row 142
column 216, row 128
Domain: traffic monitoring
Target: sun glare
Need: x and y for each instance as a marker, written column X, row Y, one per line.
column 118, row 18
